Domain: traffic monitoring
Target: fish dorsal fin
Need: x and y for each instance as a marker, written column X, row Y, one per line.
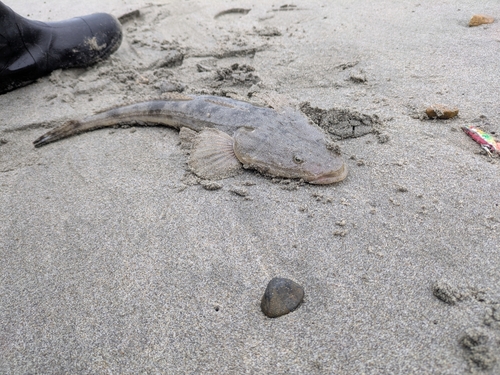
column 169, row 97
column 212, row 156
column 286, row 108
column 175, row 97
column 221, row 103
column 276, row 101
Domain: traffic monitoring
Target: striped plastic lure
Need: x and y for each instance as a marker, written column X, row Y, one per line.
column 486, row 140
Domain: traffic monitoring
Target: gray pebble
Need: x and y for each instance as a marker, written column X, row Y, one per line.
column 281, row 297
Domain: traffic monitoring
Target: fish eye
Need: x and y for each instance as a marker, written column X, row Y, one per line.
column 298, row 159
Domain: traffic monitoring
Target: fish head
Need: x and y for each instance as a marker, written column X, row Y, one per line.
column 291, row 150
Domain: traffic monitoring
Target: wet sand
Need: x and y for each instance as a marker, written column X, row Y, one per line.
column 115, row 259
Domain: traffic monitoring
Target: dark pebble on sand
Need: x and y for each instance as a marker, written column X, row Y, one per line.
column 281, row 297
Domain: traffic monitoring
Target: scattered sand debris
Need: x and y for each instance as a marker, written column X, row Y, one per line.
column 129, row 16
column 475, row 342
column 203, row 68
column 340, row 233
column 492, row 315
column 232, row 11
column 210, row 185
column 445, row 292
column 341, row 123
column 238, row 74
column 171, row 59
column 242, row 192
column 359, row 77
column 267, row 31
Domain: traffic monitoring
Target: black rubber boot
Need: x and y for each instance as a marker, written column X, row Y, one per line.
column 32, row 49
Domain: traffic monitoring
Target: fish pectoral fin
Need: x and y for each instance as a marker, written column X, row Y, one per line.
column 212, row 156
column 187, row 137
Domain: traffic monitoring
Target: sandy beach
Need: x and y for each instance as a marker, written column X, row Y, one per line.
column 116, row 259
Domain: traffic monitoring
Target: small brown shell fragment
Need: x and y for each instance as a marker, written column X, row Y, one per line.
column 480, row 19
column 441, row 111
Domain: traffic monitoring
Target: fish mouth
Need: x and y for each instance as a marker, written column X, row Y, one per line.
column 330, row 177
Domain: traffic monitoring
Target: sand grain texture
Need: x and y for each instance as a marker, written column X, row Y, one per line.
column 116, row 260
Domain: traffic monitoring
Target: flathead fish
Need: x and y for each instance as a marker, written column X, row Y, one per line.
column 225, row 135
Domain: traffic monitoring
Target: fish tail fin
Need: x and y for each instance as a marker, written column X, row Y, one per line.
column 67, row 129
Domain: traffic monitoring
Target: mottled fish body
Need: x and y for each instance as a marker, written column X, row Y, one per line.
column 229, row 134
